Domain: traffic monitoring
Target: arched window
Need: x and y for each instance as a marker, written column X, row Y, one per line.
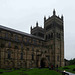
column 51, row 35
column 16, row 47
column 16, row 38
column 32, row 57
column 27, row 40
column 9, row 54
column 32, row 48
column 46, row 37
column 21, row 46
column 58, row 35
column 57, row 58
column 2, row 45
column 6, row 35
column 9, row 44
column 21, row 55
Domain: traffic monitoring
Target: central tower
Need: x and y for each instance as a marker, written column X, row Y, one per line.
column 54, row 36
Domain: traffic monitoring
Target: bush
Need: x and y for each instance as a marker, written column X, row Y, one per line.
column 74, row 69
column 66, row 68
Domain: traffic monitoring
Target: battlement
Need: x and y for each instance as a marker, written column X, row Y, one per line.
column 53, row 16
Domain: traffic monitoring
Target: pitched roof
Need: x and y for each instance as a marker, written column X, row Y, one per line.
column 20, row 32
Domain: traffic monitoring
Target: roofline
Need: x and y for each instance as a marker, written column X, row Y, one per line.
column 19, row 32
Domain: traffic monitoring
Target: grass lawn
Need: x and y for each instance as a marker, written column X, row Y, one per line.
column 35, row 71
column 68, row 68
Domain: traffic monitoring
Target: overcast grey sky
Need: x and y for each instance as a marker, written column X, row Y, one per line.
column 21, row 14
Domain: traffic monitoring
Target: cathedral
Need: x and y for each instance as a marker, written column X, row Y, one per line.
column 42, row 48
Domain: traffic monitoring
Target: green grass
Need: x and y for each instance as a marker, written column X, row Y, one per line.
column 35, row 71
column 70, row 68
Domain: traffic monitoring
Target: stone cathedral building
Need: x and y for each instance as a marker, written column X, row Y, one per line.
column 43, row 47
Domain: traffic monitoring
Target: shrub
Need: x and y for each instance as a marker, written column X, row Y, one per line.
column 66, row 68
column 73, row 69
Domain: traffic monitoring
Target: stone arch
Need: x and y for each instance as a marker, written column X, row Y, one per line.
column 43, row 63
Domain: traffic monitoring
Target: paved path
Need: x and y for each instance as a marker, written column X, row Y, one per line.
column 70, row 73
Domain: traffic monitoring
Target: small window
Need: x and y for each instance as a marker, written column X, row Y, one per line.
column 16, row 38
column 58, row 35
column 9, row 54
column 9, row 45
column 2, row 45
column 35, row 42
column 6, row 35
column 32, row 57
column 16, row 47
column 51, row 35
column 32, row 49
column 21, row 55
column 48, row 58
column 27, row 40
column 46, row 37
column 51, row 46
column 27, row 48
column 22, row 46
column 57, row 58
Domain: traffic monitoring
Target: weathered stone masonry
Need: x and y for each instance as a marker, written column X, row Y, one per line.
column 43, row 47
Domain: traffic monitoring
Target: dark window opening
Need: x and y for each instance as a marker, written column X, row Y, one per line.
column 16, row 47
column 32, row 49
column 21, row 46
column 16, row 38
column 51, row 35
column 51, row 46
column 57, row 58
column 22, row 56
column 58, row 35
column 27, row 40
column 9, row 45
column 49, row 26
column 41, row 34
column 2, row 45
column 46, row 37
column 32, row 57
column 27, row 48
column 35, row 42
column 9, row 54
column 6, row 35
